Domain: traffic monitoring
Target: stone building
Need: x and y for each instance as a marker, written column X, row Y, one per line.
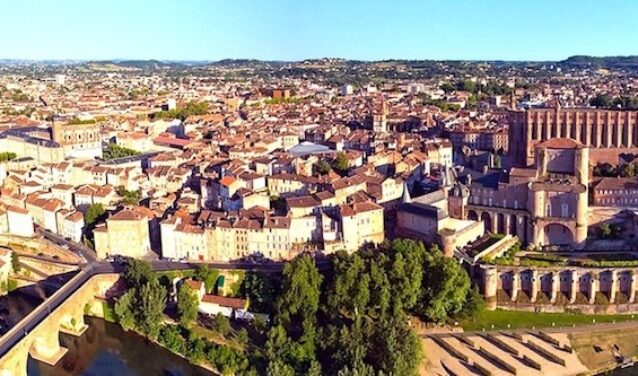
column 428, row 218
column 608, row 133
column 618, row 192
column 544, row 205
column 27, row 143
column 127, row 233
column 481, row 139
column 78, row 140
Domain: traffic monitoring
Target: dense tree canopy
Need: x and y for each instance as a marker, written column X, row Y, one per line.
column 208, row 276
column 187, row 304
column 114, row 151
column 129, row 197
column 142, row 307
column 137, row 272
column 350, row 319
column 340, row 163
column 7, row 156
column 262, row 290
column 323, row 167
column 15, row 262
column 292, row 340
column 356, row 321
column 189, row 109
column 93, row 213
column 607, row 101
column 445, row 287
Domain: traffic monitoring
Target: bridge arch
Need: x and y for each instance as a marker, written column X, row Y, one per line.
column 487, row 220
column 471, row 215
column 501, row 227
column 557, row 234
column 513, row 225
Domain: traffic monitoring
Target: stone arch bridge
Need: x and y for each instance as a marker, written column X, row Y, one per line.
column 37, row 335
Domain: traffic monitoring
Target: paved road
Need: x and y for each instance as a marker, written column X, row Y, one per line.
column 79, row 248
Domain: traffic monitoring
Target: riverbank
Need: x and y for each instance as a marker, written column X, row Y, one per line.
column 108, row 315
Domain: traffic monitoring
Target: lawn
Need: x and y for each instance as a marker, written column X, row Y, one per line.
column 524, row 320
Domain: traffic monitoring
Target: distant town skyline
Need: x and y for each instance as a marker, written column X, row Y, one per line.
column 197, row 30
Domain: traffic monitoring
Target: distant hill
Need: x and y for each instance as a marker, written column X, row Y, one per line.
column 606, row 62
column 141, row 64
column 234, row 63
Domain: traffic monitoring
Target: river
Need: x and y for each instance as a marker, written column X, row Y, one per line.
column 107, row 350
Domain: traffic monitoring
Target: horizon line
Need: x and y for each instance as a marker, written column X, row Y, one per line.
column 85, row 60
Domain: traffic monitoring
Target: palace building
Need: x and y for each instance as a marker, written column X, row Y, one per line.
column 607, row 133
column 78, row 140
column 544, row 205
column 53, row 144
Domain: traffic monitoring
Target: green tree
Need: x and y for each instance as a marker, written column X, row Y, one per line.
column 242, row 336
column 93, row 213
column 447, row 87
column 196, row 349
column 207, row 275
column 262, row 290
column 340, row 163
column 445, row 287
column 222, row 324
column 300, row 291
column 602, row 100
column 125, row 310
column 279, row 368
column 151, row 303
column 474, row 303
column 349, row 293
column 129, row 197
column 187, row 304
column 137, row 272
column 604, row 231
column 380, row 289
column 605, row 169
column 399, row 349
column 172, row 338
column 296, row 315
column 191, row 108
column 323, row 167
column 114, row 151
column 7, row 156
column 15, row 262
column 628, row 170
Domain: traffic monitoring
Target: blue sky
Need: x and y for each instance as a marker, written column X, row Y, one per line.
column 299, row 29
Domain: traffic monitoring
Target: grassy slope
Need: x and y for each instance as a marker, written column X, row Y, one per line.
column 518, row 320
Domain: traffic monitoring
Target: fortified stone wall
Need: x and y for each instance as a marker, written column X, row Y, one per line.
column 559, row 289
